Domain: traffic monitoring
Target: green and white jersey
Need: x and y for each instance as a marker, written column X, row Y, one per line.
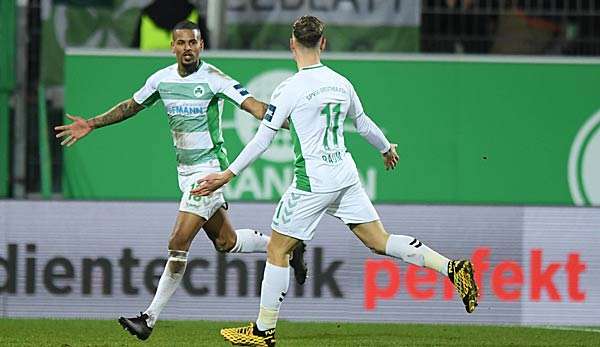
column 194, row 105
column 317, row 100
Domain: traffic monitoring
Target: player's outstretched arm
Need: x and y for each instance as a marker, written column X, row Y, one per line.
column 81, row 127
column 256, row 108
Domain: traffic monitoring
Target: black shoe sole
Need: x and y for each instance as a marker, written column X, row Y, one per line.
column 128, row 328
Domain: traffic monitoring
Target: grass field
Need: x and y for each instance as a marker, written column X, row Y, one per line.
column 64, row 333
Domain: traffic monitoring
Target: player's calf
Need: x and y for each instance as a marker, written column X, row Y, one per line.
column 249, row 241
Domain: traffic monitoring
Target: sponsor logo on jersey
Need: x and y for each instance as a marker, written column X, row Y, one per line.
column 584, row 166
column 185, row 110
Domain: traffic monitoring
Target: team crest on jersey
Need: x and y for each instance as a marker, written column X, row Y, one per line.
column 198, row 91
column 270, row 112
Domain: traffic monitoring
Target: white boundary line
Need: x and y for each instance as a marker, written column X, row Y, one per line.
column 528, row 326
column 564, row 328
column 346, row 56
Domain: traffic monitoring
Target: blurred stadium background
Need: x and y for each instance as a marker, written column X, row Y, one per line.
column 495, row 105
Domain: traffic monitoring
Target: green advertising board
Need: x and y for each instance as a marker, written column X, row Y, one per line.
column 469, row 131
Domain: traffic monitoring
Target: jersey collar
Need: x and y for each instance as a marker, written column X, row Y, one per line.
column 198, row 67
column 315, row 66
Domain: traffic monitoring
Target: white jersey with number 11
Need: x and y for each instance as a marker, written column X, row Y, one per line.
column 317, row 100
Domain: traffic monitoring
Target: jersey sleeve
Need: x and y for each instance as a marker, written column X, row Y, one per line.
column 227, row 88
column 148, row 95
column 355, row 109
column 365, row 126
column 280, row 108
column 259, row 143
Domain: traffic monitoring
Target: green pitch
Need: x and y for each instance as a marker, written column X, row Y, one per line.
column 64, row 333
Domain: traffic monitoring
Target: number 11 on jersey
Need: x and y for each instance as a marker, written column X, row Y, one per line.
column 332, row 112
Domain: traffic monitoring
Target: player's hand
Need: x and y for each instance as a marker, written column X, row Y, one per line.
column 391, row 158
column 74, row 131
column 211, row 182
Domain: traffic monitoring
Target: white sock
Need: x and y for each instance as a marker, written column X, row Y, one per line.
column 415, row 252
column 169, row 281
column 250, row 241
column 275, row 285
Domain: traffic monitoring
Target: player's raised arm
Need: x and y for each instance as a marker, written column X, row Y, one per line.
column 81, row 127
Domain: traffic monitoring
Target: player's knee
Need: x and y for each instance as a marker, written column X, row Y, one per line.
column 378, row 250
column 179, row 244
column 376, row 246
column 276, row 252
column 224, row 244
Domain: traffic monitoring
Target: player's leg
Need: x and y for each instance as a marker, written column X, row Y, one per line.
column 295, row 219
column 194, row 211
column 413, row 251
column 274, row 287
column 225, row 238
column 186, row 227
column 373, row 235
column 356, row 210
column 275, row 280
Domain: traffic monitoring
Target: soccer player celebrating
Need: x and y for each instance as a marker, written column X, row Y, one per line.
column 193, row 93
column 316, row 101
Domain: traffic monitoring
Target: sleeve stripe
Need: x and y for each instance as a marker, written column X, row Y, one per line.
column 225, row 97
column 150, row 100
column 269, row 127
column 243, row 91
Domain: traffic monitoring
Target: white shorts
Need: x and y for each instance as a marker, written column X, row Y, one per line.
column 203, row 206
column 298, row 212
